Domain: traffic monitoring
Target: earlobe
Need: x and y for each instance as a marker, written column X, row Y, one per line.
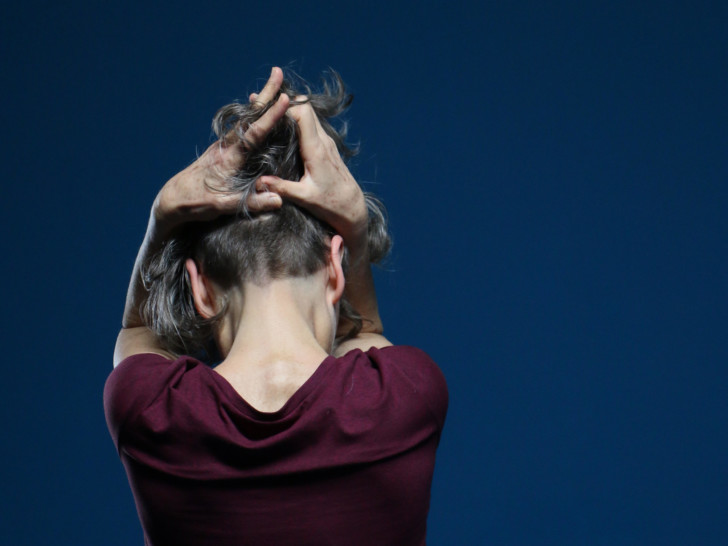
column 335, row 269
column 202, row 291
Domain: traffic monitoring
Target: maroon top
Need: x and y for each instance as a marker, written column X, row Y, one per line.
column 347, row 460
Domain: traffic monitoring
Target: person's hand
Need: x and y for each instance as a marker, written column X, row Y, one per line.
column 327, row 188
column 198, row 193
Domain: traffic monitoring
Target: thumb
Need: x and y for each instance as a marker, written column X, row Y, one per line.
column 287, row 189
column 263, row 201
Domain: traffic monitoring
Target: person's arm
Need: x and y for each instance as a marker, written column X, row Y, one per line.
column 360, row 292
column 329, row 191
column 193, row 195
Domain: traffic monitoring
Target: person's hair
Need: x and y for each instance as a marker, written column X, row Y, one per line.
column 288, row 242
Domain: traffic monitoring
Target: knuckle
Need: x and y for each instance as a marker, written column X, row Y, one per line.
column 320, row 149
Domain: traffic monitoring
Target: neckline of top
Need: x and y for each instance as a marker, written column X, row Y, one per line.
column 303, row 392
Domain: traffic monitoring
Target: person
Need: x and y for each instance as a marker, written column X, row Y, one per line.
column 312, row 428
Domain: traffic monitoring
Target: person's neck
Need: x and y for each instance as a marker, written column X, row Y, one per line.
column 282, row 321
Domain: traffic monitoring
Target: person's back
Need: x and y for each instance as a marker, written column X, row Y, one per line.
column 348, row 459
column 313, row 429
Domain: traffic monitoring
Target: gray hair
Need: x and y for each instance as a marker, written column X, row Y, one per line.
column 288, row 242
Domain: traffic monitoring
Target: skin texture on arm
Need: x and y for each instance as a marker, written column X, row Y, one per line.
column 195, row 194
column 329, row 191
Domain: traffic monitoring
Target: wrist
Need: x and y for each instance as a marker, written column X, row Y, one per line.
column 161, row 223
column 357, row 244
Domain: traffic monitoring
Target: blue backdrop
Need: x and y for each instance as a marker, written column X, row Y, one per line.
column 556, row 179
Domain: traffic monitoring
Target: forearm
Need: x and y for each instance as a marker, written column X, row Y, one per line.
column 361, row 294
column 360, row 291
column 136, row 294
column 135, row 337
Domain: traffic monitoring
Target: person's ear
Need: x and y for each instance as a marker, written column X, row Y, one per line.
column 203, row 291
column 336, row 281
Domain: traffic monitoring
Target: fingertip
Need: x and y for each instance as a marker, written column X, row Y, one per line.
column 284, row 100
column 264, row 201
column 295, row 112
column 276, row 75
column 270, row 198
column 280, row 106
column 253, row 97
column 265, row 181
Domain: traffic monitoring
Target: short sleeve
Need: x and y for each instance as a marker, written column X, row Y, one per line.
column 133, row 385
column 423, row 374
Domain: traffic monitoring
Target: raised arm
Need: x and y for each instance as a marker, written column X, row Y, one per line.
column 195, row 194
column 330, row 192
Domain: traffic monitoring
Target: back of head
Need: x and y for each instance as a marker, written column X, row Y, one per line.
column 288, row 242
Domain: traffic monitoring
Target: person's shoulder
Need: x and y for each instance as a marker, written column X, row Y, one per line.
column 142, row 361
column 136, row 382
column 138, row 372
column 419, row 370
column 402, row 353
column 407, row 357
column 410, row 362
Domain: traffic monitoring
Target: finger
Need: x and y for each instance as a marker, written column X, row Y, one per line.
column 223, row 202
column 271, row 88
column 257, row 131
column 308, row 126
column 263, row 201
column 293, row 191
column 253, row 97
column 232, row 152
column 317, row 122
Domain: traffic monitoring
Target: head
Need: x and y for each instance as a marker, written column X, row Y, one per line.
column 250, row 248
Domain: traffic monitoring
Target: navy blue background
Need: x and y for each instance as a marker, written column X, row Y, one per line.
column 556, row 180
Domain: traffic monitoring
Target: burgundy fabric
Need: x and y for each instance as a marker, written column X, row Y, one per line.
column 347, row 460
